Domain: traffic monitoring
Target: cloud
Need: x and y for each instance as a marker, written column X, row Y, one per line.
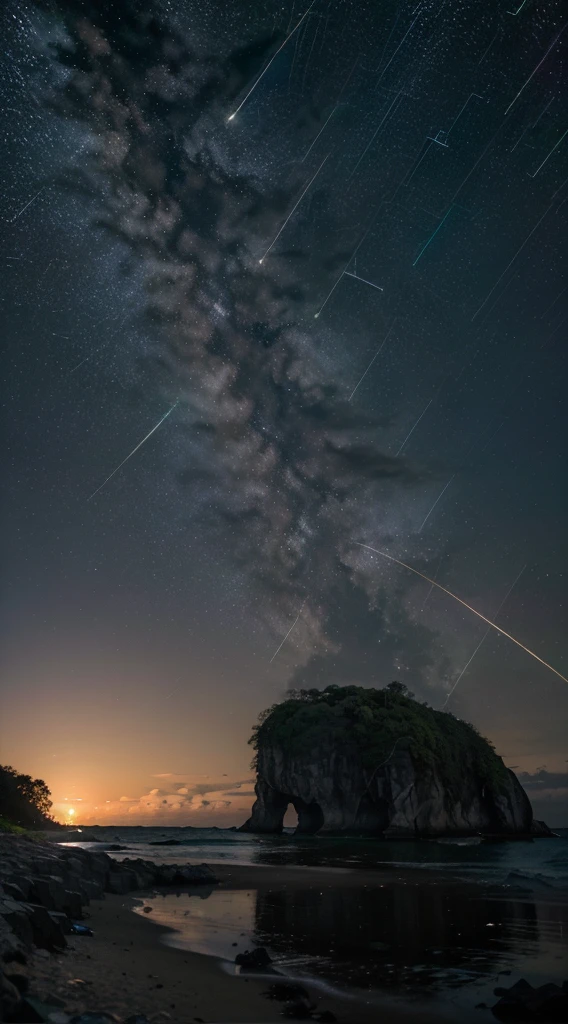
column 273, row 456
column 541, row 780
column 201, row 804
column 548, row 793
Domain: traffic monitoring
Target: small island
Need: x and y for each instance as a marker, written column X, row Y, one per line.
column 377, row 762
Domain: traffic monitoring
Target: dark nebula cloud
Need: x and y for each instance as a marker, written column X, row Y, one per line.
column 285, row 466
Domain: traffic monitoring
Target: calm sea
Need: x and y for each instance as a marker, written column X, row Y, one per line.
column 546, row 859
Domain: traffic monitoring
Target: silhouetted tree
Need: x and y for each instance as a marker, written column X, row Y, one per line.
column 23, row 800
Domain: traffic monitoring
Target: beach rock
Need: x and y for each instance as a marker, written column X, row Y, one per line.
column 13, row 891
column 540, row 828
column 10, row 998
column 47, row 927
column 121, row 882
column 547, row 1004
column 256, row 958
column 332, row 788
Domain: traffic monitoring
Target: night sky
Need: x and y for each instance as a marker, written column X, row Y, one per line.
column 347, row 306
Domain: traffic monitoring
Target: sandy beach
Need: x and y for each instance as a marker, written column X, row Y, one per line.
column 126, row 967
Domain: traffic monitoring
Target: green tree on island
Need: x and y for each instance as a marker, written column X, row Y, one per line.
column 374, row 722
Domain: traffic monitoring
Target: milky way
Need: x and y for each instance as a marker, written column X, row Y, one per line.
column 338, row 253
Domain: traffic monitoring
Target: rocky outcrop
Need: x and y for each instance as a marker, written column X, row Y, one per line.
column 333, row 790
column 44, row 888
column 331, row 793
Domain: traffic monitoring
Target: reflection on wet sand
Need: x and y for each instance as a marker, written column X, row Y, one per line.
column 407, row 938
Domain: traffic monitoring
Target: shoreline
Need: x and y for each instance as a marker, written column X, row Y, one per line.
column 128, row 966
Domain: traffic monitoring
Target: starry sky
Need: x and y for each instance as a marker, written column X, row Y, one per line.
column 278, row 280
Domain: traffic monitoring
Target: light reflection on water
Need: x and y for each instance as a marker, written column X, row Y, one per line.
column 488, row 861
column 401, row 939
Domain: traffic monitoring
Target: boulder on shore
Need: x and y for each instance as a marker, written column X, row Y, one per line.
column 44, row 888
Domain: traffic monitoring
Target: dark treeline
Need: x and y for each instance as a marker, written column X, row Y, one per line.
column 24, row 801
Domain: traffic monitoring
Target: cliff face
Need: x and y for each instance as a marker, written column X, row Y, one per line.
column 333, row 791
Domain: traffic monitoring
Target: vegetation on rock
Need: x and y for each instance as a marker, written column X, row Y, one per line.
column 371, row 723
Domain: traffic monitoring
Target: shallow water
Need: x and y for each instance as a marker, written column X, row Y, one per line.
column 437, row 939
column 414, row 941
column 457, row 858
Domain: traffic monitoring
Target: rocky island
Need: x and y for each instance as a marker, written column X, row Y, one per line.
column 377, row 762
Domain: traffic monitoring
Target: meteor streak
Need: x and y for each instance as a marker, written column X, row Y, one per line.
column 410, row 432
column 293, row 210
column 274, row 56
column 533, row 73
column 377, row 353
column 484, row 637
column 550, row 154
column 364, row 280
column 441, row 494
column 287, row 634
column 32, row 200
column 139, row 445
column 434, row 583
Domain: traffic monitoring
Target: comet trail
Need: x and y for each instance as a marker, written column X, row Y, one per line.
column 134, row 450
column 274, row 56
column 483, row 618
column 293, row 210
column 484, row 637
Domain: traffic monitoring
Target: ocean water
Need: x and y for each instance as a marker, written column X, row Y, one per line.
column 465, row 859
column 416, row 940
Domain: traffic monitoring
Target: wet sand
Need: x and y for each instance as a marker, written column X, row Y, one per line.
column 126, row 967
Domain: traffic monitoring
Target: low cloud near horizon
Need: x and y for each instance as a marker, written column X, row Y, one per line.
column 177, row 802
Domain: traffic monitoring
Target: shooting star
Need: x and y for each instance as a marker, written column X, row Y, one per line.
column 489, row 47
column 414, row 427
column 348, row 264
column 377, row 353
column 456, row 119
column 32, row 200
column 293, row 210
column 483, row 618
column 441, row 494
column 375, row 133
column 484, row 637
column 533, row 73
column 518, row 252
column 364, row 280
column 433, row 235
column 322, row 129
column 287, row 634
column 274, row 56
column 550, row 154
column 139, row 445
